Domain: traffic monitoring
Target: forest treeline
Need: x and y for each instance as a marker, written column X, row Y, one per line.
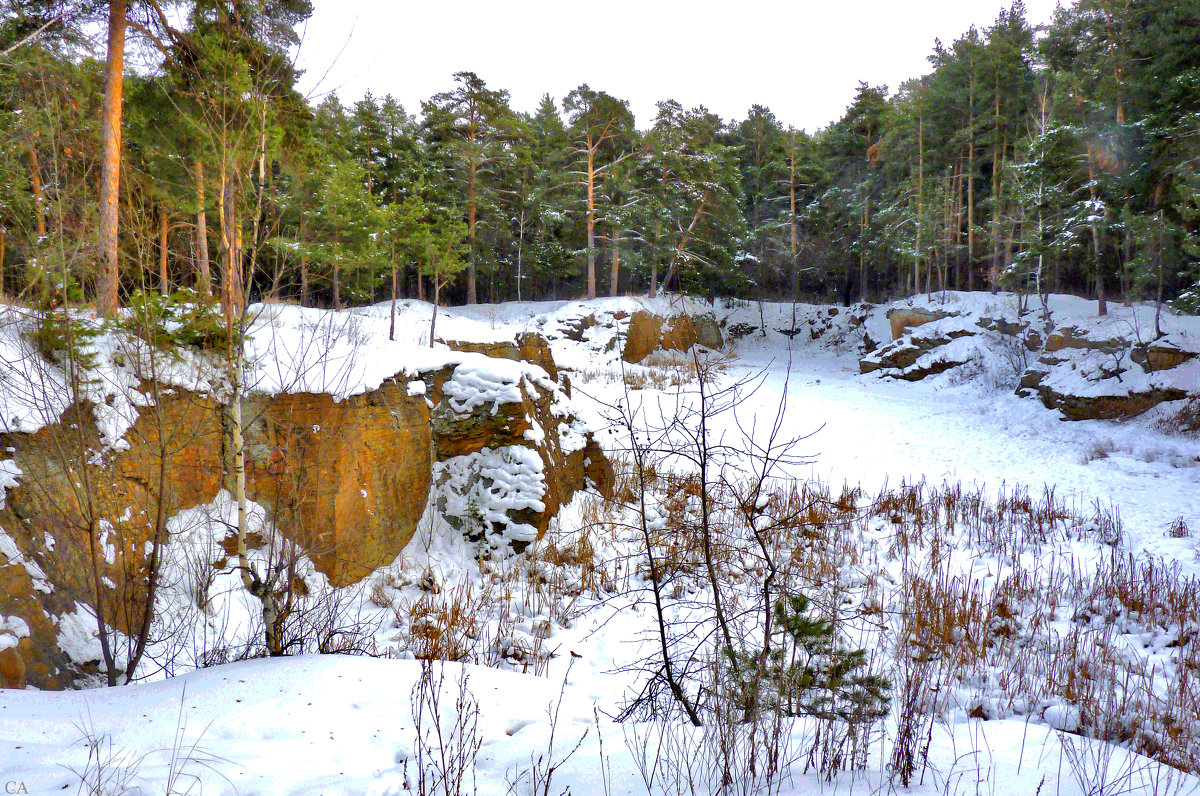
column 180, row 155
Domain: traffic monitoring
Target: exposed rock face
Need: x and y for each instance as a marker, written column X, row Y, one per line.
column 1087, row 371
column 1073, row 338
column 1104, row 407
column 347, row 481
column 1156, row 356
column 528, row 347
column 649, row 332
column 904, row 319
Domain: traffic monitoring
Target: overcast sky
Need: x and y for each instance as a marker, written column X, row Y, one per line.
column 802, row 59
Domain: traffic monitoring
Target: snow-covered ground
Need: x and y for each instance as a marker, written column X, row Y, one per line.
column 872, row 431
column 340, row 724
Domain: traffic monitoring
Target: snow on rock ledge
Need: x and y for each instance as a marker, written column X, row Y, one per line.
column 1087, row 367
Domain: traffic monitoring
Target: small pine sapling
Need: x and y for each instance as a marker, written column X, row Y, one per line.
column 809, row 673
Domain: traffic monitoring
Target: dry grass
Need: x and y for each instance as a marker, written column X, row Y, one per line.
column 1185, row 420
column 966, row 592
column 661, row 370
column 979, row 612
column 1043, row 631
column 1178, row 529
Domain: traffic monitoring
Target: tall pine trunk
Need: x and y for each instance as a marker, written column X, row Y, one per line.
column 998, row 154
column 920, row 204
column 862, row 249
column 164, row 226
column 471, row 216
column 39, row 199
column 795, row 243
column 395, row 280
column 110, row 159
column 1097, row 241
column 591, row 220
column 971, row 214
column 204, row 271
column 337, row 284
column 959, row 277
column 614, row 277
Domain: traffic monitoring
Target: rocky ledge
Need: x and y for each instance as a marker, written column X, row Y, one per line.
column 493, row 445
column 1111, row 367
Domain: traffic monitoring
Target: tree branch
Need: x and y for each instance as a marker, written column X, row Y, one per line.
column 35, row 34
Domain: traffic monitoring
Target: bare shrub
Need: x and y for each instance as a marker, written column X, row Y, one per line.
column 1178, row 529
column 1184, row 420
column 447, row 737
column 1100, row 449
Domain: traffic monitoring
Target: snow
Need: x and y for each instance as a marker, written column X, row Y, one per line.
column 9, row 472
column 483, row 382
column 331, row 724
column 12, row 630
column 482, row 488
column 77, row 635
column 341, row 724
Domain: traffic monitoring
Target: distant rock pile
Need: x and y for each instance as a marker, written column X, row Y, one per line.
column 1088, row 368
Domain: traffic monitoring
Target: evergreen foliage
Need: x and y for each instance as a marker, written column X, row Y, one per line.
column 1055, row 160
column 809, row 672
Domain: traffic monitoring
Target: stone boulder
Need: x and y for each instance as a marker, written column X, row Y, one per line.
column 649, row 332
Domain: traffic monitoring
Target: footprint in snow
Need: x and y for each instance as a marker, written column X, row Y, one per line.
column 516, row 725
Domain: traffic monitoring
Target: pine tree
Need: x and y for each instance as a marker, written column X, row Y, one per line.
column 602, row 130
column 469, row 124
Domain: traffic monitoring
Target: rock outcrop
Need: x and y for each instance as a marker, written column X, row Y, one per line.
column 1093, row 376
column 1087, row 369
column 904, row 319
column 347, row 481
column 527, row 347
column 920, row 344
column 649, row 332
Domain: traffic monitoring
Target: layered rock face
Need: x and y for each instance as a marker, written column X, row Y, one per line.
column 649, row 332
column 494, row 445
column 1090, row 376
column 1101, row 370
